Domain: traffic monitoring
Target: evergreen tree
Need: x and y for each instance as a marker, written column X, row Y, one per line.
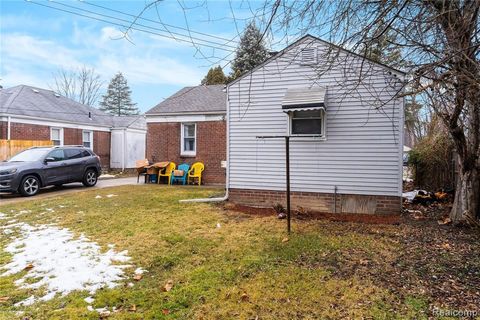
column 214, row 76
column 117, row 100
column 250, row 53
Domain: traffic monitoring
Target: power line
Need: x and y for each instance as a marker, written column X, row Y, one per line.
column 219, row 47
column 161, row 23
column 142, row 25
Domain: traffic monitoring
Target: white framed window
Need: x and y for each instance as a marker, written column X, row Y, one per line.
column 87, row 139
column 188, row 139
column 307, row 122
column 56, row 135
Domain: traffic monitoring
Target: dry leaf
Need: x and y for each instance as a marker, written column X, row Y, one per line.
column 133, row 308
column 447, row 220
column 285, row 239
column 168, row 286
column 165, row 311
column 28, row 266
column 137, row 277
column 4, row 299
column 245, row 297
column 446, row 246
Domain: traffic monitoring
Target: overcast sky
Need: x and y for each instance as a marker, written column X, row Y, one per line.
column 37, row 41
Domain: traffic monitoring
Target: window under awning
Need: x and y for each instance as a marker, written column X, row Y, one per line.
column 304, row 99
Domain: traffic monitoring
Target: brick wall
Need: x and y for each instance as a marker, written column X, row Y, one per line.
column 22, row 131
column 163, row 143
column 71, row 136
column 101, row 146
column 321, row 202
column 3, row 130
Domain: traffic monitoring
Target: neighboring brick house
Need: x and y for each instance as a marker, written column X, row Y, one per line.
column 29, row 113
column 188, row 127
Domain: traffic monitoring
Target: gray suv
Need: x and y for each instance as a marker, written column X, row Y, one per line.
column 38, row 167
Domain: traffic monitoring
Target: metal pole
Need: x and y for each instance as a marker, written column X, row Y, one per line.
column 287, row 158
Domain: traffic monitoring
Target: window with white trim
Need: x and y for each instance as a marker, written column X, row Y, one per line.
column 87, row 139
column 188, row 139
column 56, row 135
column 307, row 122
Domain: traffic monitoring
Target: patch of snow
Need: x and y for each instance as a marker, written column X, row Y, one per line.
column 60, row 206
column 7, row 231
column 107, row 176
column 111, row 195
column 90, row 308
column 218, row 225
column 3, row 215
column 50, row 210
column 130, row 284
column 89, row 300
column 12, row 221
column 27, row 302
column 98, row 196
column 140, row 271
column 24, row 211
column 62, row 263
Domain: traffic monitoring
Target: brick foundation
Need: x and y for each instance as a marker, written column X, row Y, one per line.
column 321, row 202
column 163, row 143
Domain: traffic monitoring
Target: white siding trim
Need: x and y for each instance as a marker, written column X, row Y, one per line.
column 52, row 123
column 185, row 118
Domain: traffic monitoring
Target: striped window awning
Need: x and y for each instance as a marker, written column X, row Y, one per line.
column 304, row 99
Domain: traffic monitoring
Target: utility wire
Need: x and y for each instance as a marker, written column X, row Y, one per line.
column 160, row 23
column 219, row 47
column 142, row 25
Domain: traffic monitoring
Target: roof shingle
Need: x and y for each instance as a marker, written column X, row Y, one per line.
column 199, row 99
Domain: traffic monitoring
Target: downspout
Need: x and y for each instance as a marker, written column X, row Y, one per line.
column 225, row 197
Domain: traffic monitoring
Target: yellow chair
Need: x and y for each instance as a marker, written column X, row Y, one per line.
column 196, row 172
column 167, row 172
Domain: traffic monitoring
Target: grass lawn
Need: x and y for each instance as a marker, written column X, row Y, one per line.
column 229, row 265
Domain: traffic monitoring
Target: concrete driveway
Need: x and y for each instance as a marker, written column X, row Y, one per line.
column 7, row 198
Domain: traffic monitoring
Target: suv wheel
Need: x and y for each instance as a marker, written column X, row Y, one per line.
column 29, row 186
column 90, row 178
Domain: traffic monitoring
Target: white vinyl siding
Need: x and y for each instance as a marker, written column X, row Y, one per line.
column 87, row 137
column 188, row 139
column 56, row 135
column 362, row 152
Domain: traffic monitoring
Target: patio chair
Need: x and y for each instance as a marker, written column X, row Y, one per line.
column 181, row 174
column 141, row 165
column 167, row 172
column 196, row 172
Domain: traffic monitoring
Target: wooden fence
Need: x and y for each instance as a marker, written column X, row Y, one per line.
column 9, row 148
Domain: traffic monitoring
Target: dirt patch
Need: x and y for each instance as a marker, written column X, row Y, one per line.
column 314, row 215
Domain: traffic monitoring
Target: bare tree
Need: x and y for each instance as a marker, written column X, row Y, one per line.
column 82, row 85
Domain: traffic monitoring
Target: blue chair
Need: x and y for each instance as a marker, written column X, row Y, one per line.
column 183, row 167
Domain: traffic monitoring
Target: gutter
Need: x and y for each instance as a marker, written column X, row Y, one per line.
column 227, row 184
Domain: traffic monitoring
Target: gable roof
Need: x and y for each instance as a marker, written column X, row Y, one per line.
column 199, row 99
column 40, row 103
column 280, row 53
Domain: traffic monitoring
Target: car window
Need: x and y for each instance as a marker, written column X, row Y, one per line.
column 73, row 153
column 57, row 155
column 85, row 153
column 35, row 154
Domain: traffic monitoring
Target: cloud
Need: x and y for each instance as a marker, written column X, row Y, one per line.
column 32, row 58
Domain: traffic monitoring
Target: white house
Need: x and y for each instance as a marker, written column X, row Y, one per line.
column 345, row 124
